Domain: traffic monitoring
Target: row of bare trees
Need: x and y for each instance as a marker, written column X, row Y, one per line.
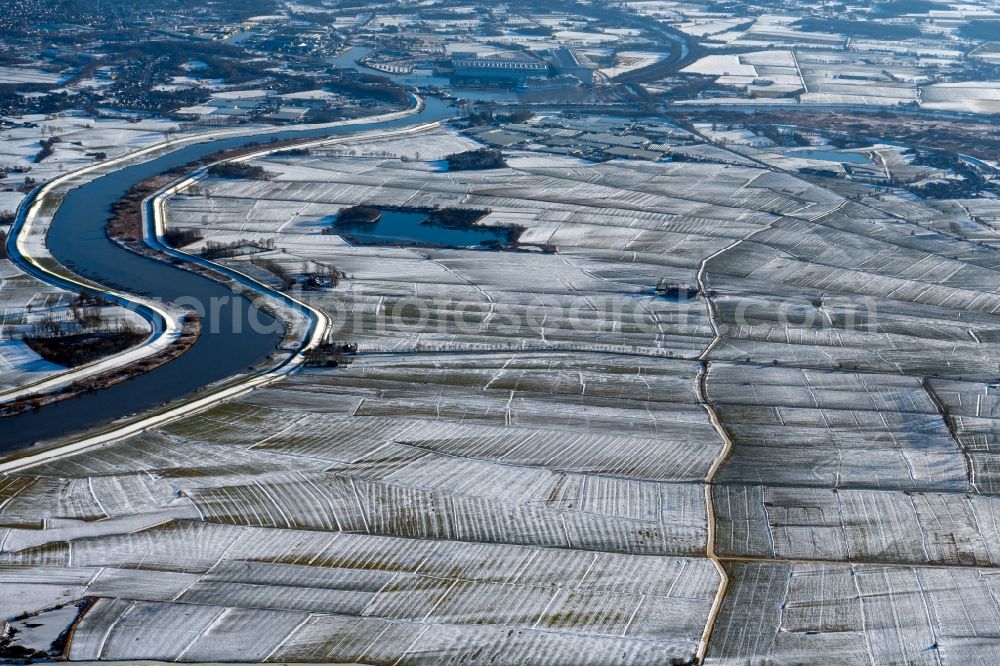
column 86, row 317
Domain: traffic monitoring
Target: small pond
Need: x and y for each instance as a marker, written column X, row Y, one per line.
column 408, row 228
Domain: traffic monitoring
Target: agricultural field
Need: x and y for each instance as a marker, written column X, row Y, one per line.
column 513, row 465
column 75, row 140
column 648, row 333
column 22, row 295
column 928, row 55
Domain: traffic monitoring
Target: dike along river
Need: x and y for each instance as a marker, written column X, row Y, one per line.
column 78, row 241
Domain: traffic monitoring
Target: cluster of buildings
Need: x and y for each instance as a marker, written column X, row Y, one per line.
column 563, row 66
column 497, row 69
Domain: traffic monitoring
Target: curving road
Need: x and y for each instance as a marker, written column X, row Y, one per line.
column 229, row 344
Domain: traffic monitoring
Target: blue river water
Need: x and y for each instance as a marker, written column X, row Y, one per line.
column 235, row 335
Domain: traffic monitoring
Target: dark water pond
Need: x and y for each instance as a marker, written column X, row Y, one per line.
column 411, row 228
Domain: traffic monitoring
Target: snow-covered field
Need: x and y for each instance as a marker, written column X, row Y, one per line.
column 16, row 75
column 80, row 138
column 514, row 465
column 627, row 61
column 850, row 78
column 721, row 65
column 968, row 97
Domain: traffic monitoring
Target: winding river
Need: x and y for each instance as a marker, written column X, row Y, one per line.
column 227, row 346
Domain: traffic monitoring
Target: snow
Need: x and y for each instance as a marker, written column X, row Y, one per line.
column 578, row 38
column 20, row 144
column 252, row 94
column 721, row 65
column 23, row 302
column 15, row 75
column 627, row 61
column 704, row 28
column 967, row 96
column 10, row 200
column 516, row 462
column 768, row 58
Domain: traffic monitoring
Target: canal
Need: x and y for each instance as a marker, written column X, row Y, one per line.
column 228, row 346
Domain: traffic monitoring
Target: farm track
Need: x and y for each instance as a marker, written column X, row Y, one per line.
column 701, row 389
column 970, row 468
